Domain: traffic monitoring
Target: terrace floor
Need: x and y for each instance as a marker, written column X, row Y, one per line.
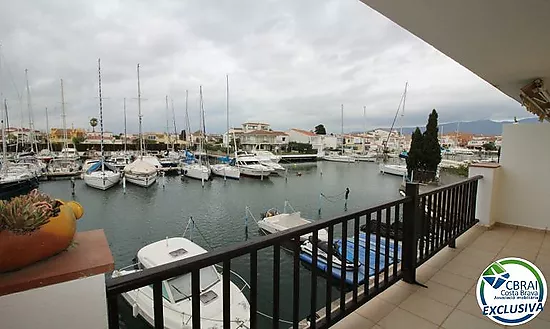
column 451, row 275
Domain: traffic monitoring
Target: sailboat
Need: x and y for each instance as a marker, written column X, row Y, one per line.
column 141, row 172
column 365, row 156
column 335, row 157
column 65, row 164
column 196, row 169
column 170, row 159
column 101, row 175
column 225, row 169
column 46, row 154
column 13, row 180
column 395, row 169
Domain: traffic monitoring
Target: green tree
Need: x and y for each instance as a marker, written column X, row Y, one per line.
column 320, row 130
column 415, row 152
column 431, row 150
column 78, row 139
column 489, row 146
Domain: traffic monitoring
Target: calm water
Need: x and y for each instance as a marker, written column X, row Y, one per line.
column 142, row 216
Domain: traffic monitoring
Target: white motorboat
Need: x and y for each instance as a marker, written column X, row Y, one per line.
column 266, row 156
column 45, row 155
column 368, row 157
column 273, row 166
column 335, row 157
column 101, row 175
column 170, row 159
column 196, row 170
column 226, row 170
column 392, row 169
column 62, row 168
column 120, row 160
column 32, row 163
column 250, row 166
column 273, row 222
column 177, row 301
column 141, row 173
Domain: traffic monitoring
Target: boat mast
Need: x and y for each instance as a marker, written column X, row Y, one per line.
column 403, row 111
column 139, row 114
column 364, row 126
column 200, row 126
column 48, row 142
column 167, row 132
column 227, row 109
column 100, row 114
column 29, row 109
column 4, row 144
column 64, row 121
column 187, row 122
column 125, row 137
column 401, row 101
column 175, row 129
column 343, row 138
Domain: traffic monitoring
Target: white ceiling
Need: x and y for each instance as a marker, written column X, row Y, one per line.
column 505, row 42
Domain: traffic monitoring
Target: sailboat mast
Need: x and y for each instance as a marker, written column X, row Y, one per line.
column 4, row 144
column 364, row 126
column 187, row 122
column 48, row 142
column 139, row 114
column 29, row 109
column 125, row 137
column 227, row 109
column 343, row 138
column 167, row 132
column 100, row 113
column 200, row 126
column 64, row 120
column 174, row 120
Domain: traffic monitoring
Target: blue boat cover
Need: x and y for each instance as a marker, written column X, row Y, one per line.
column 97, row 167
column 225, row 159
column 350, row 245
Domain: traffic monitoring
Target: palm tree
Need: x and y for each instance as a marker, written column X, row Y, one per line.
column 93, row 123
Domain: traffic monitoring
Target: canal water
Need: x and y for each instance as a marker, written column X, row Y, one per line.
column 141, row 216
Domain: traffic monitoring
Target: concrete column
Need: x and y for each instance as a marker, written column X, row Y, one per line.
column 486, row 191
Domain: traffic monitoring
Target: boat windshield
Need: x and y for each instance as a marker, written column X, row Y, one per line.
column 181, row 286
column 250, row 162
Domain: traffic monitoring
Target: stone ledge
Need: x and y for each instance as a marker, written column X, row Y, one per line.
column 89, row 256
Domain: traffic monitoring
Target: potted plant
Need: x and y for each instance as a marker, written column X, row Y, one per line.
column 34, row 227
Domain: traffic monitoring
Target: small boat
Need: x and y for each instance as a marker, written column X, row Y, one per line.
column 32, row 163
column 368, row 157
column 101, row 175
column 262, row 155
column 62, row 168
column 177, row 301
column 69, row 154
column 170, row 159
column 250, row 166
column 273, row 222
column 397, row 170
column 273, row 166
column 335, row 157
column 45, row 155
column 196, row 170
column 119, row 160
column 141, row 173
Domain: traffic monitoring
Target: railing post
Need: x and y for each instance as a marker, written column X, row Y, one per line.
column 410, row 217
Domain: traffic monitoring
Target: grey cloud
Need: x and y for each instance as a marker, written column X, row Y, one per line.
column 291, row 63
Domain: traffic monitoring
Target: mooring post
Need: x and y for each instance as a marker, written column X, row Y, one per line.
column 410, row 217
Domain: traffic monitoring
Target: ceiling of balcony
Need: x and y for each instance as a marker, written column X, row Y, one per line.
column 505, row 42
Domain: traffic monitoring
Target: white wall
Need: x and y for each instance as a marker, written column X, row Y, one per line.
column 73, row 304
column 524, row 179
column 295, row 136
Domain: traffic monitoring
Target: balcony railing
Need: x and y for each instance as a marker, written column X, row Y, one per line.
column 397, row 237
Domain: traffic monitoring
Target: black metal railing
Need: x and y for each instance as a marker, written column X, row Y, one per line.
column 368, row 257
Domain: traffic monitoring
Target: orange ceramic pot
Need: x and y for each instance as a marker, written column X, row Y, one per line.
column 17, row 251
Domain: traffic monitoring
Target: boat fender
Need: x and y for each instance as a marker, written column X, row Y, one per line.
column 135, row 310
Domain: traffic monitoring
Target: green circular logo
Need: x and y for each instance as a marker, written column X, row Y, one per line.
column 511, row 291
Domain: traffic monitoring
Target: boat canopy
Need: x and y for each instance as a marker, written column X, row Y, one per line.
column 97, row 167
column 140, row 167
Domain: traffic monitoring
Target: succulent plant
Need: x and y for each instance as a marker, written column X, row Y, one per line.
column 27, row 213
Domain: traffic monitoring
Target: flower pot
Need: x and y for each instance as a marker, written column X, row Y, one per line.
column 20, row 250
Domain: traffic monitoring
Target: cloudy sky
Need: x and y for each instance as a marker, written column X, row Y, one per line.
column 290, row 63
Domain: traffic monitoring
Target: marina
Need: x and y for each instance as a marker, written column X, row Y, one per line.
column 141, row 216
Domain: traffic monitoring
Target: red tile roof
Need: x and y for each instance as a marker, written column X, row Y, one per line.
column 266, row 132
column 304, row 132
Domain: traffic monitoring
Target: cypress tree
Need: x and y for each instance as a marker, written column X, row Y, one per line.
column 415, row 152
column 431, row 150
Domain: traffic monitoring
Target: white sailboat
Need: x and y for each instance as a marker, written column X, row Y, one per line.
column 121, row 159
column 335, row 157
column 225, row 169
column 64, row 165
column 197, row 169
column 101, row 175
column 141, row 172
column 365, row 156
column 170, row 158
column 395, row 169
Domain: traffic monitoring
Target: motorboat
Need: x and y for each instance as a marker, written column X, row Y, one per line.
column 141, row 172
column 69, row 154
column 62, row 168
column 15, row 181
column 250, row 166
column 267, row 156
column 32, row 163
column 170, row 159
column 273, row 166
column 119, row 160
column 368, row 157
column 101, row 175
column 393, row 169
column 335, row 157
column 45, row 155
column 177, row 293
column 226, row 169
column 273, row 222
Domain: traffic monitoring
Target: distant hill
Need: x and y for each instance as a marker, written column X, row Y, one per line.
column 480, row 127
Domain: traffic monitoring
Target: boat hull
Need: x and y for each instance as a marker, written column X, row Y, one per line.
column 198, row 172
column 16, row 188
column 344, row 159
column 102, row 181
column 141, row 180
column 226, row 171
column 253, row 172
column 395, row 170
